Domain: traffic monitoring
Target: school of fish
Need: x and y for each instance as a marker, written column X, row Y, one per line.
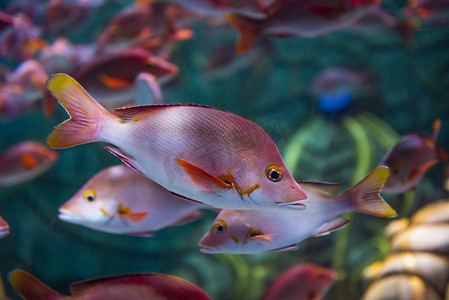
column 180, row 159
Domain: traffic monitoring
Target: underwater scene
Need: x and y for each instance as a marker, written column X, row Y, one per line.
column 223, row 149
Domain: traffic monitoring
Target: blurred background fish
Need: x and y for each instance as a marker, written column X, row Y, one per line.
column 120, row 200
column 301, row 282
column 4, row 229
column 138, row 286
column 25, row 161
column 410, row 158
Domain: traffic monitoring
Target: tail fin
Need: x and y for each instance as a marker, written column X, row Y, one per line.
column 86, row 115
column 365, row 194
column 30, row 288
column 250, row 31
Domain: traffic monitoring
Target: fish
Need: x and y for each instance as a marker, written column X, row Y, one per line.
column 422, row 237
column 24, row 89
column 200, row 153
column 410, row 158
column 434, row 11
column 301, row 282
column 433, row 268
column 299, row 18
column 110, row 77
column 24, row 162
column 270, row 229
column 120, row 200
column 143, row 286
column 146, row 24
column 400, row 287
column 4, row 228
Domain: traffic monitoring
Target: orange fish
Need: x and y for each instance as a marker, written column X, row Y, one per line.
column 410, row 158
column 24, row 162
column 200, row 153
column 143, row 286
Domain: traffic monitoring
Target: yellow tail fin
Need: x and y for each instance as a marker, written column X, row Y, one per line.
column 86, row 115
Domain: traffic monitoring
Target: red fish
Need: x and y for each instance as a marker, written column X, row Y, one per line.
column 410, row 158
column 299, row 18
column 144, row 286
column 198, row 152
column 4, row 229
column 110, row 78
column 150, row 25
column 24, row 162
column 301, row 282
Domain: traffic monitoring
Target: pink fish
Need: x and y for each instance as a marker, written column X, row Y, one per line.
column 4, row 228
column 144, row 286
column 301, row 282
column 410, row 158
column 24, row 162
column 110, row 77
column 24, row 89
column 299, row 18
column 120, row 200
column 200, row 153
column 257, row 231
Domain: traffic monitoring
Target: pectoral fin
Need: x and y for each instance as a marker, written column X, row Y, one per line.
column 265, row 238
column 202, row 179
column 132, row 217
column 331, row 226
column 422, row 169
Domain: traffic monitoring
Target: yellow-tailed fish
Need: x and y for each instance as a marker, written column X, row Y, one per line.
column 256, row 231
column 120, row 200
column 25, row 161
column 200, row 153
column 143, row 286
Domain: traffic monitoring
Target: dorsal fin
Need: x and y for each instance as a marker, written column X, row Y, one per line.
column 323, row 188
column 134, row 113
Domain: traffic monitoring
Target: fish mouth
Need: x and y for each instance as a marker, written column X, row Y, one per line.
column 204, row 249
column 68, row 216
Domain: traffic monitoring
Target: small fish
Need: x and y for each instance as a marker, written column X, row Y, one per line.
column 25, row 161
column 200, row 153
column 144, row 286
column 422, row 237
column 301, row 282
column 120, row 200
column 257, row 231
column 400, row 287
column 111, row 77
column 4, row 228
column 410, row 158
column 433, row 268
column 299, row 18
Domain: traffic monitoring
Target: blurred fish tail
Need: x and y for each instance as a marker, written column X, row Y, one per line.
column 30, row 288
column 86, row 115
column 365, row 194
column 440, row 153
column 249, row 29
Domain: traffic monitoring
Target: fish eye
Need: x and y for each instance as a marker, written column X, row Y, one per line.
column 220, row 227
column 274, row 173
column 89, row 195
